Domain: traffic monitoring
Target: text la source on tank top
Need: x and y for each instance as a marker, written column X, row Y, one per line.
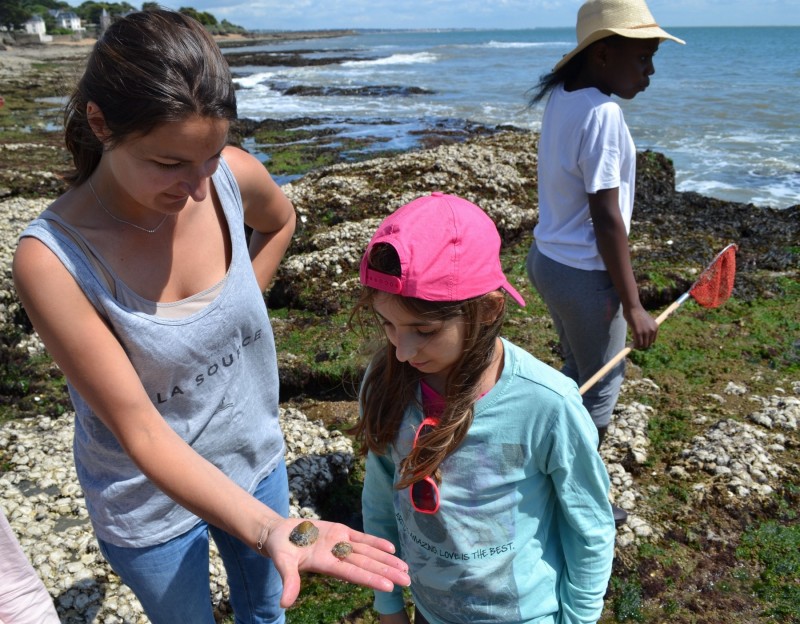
column 211, row 369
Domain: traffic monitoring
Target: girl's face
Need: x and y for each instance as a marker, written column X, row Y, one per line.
column 169, row 166
column 626, row 66
column 432, row 347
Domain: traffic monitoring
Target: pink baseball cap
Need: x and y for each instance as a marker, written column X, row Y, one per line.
column 449, row 250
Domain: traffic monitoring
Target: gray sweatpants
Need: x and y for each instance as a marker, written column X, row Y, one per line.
column 587, row 315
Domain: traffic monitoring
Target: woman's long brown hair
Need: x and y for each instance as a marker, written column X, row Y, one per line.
column 391, row 386
column 149, row 68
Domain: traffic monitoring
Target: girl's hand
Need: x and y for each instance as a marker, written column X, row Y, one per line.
column 370, row 563
column 643, row 327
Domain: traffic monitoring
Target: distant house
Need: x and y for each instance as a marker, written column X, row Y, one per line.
column 67, row 19
column 35, row 30
column 35, row 26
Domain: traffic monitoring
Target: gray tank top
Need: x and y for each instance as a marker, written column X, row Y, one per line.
column 212, row 375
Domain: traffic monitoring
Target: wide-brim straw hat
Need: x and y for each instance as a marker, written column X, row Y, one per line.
column 598, row 19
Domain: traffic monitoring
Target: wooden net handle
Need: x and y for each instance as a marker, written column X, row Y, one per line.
column 619, row 356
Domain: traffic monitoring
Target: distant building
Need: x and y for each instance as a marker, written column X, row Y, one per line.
column 67, row 19
column 35, row 26
column 35, row 30
column 105, row 21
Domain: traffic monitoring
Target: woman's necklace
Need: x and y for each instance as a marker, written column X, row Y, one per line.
column 116, row 218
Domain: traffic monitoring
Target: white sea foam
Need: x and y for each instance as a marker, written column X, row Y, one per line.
column 248, row 82
column 395, row 59
column 528, row 44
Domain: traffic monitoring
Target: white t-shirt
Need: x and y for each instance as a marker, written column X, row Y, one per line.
column 585, row 147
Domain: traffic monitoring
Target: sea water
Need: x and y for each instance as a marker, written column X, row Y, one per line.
column 724, row 107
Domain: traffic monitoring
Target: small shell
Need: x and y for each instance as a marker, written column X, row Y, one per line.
column 341, row 550
column 304, row 534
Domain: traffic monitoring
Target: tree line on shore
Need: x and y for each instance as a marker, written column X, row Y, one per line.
column 14, row 14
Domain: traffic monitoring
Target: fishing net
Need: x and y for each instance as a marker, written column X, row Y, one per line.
column 715, row 284
column 712, row 289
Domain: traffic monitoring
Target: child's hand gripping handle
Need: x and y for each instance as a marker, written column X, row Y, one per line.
column 619, row 356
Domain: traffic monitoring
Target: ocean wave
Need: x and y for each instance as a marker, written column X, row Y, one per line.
column 395, row 59
column 527, row 44
column 252, row 80
column 762, row 187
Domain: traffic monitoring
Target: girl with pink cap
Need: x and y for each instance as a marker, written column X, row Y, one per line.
column 482, row 464
column 579, row 261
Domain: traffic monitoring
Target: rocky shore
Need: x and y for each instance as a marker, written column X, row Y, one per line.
column 338, row 207
column 43, row 501
column 44, row 505
column 741, row 444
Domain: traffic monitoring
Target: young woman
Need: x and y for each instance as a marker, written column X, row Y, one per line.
column 142, row 286
column 482, row 463
column 579, row 261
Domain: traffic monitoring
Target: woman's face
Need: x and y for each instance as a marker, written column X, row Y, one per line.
column 165, row 168
column 625, row 65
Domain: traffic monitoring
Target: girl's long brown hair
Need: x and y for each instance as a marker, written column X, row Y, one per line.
column 391, row 386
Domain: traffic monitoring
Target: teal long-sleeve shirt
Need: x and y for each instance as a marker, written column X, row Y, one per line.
column 524, row 533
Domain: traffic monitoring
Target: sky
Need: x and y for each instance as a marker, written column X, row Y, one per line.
column 505, row 14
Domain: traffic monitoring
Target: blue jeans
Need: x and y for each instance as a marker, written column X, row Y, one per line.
column 587, row 315
column 171, row 580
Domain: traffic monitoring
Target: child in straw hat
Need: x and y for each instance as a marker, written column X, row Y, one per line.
column 579, row 261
